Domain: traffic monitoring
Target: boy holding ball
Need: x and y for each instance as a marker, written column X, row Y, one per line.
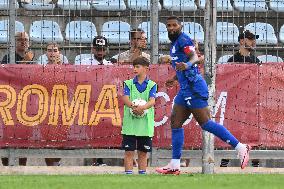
column 138, row 120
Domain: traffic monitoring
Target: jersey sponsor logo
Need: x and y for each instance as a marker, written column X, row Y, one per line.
column 175, row 58
column 187, row 99
column 174, row 49
column 147, row 147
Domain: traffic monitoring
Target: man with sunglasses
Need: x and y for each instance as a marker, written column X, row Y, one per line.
column 99, row 52
column 138, row 42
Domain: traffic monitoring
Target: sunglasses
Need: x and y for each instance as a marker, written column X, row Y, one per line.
column 52, row 50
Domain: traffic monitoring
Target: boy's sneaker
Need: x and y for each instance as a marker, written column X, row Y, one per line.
column 244, row 155
column 168, row 170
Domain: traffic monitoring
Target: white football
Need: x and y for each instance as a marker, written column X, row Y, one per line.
column 139, row 102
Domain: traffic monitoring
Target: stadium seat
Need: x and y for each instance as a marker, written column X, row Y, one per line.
column 281, row 34
column 180, row 5
column 194, row 30
column 269, row 58
column 4, row 4
column 43, row 59
column 4, row 30
column 222, row 5
column 74, row 4
column 45, row 31
column 265, row 31
column 140, row 5
column 109, row 5
column 80, row 57
column 80, row 32
column 227, row 33
column 38, row 5
column 163, row 34
column 250, row 5
column 224, row 59
column 277, row 5
column 116, row 32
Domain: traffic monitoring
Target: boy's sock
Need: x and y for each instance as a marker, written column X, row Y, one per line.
column 221, row 132
column 142, row 172
column 129, row 172
column 177, row 144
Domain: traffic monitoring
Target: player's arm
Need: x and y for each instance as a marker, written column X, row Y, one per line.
column 125, row 97
column 189, row 50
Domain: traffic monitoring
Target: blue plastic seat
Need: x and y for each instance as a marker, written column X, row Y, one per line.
column 116, row 32
column 194, row 30
column 80, row 32
column 4, row 30
column 45, row 31
column 163, row 34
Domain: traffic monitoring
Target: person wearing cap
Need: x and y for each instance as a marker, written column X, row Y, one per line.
column 138, row 42
column 247, row 45
column 244, row 55
column 99, row 52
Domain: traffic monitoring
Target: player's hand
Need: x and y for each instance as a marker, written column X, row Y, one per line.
column 138, row 110
column 171, row 83
column 181, row 66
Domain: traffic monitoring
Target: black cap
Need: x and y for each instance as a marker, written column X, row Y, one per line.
column 248, row 34
column 99, row 41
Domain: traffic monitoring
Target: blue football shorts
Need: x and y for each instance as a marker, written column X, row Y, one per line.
column 194, row 96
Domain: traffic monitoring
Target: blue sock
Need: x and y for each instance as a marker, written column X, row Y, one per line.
column 142, row 172
column 221, row 132
column 177, row 142
column 129, row 172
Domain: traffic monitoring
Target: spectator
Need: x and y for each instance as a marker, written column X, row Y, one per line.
column 99, row 51
column 138, row 42
column 52, row 55
column 244, row 55
column 247, row 45
column 200, row 57
column 23, row 55
column 165, row 59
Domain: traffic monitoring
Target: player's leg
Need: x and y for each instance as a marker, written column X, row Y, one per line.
column 144, row 145
column 202, row 116
column 129, row 145
column 142, row 162
column 128, row 162
column 179, row 115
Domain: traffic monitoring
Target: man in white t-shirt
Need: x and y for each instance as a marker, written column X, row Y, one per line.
column 99, row 51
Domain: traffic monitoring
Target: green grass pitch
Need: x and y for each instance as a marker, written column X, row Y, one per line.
column 191, row 181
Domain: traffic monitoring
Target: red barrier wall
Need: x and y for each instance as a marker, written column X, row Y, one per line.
column 80, row 106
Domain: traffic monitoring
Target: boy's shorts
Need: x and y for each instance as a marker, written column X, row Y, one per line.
column 141, row 143
column 195, row 96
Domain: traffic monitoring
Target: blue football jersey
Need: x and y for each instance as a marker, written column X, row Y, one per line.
column 178, row 55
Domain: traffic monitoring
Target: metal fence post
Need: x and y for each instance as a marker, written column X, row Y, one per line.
column 210, row 73
column 154, row 31
column 11, row 34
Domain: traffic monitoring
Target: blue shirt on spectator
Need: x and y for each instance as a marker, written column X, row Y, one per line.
column 141, row 87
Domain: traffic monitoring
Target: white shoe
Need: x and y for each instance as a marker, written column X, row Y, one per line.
column 244, row 155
